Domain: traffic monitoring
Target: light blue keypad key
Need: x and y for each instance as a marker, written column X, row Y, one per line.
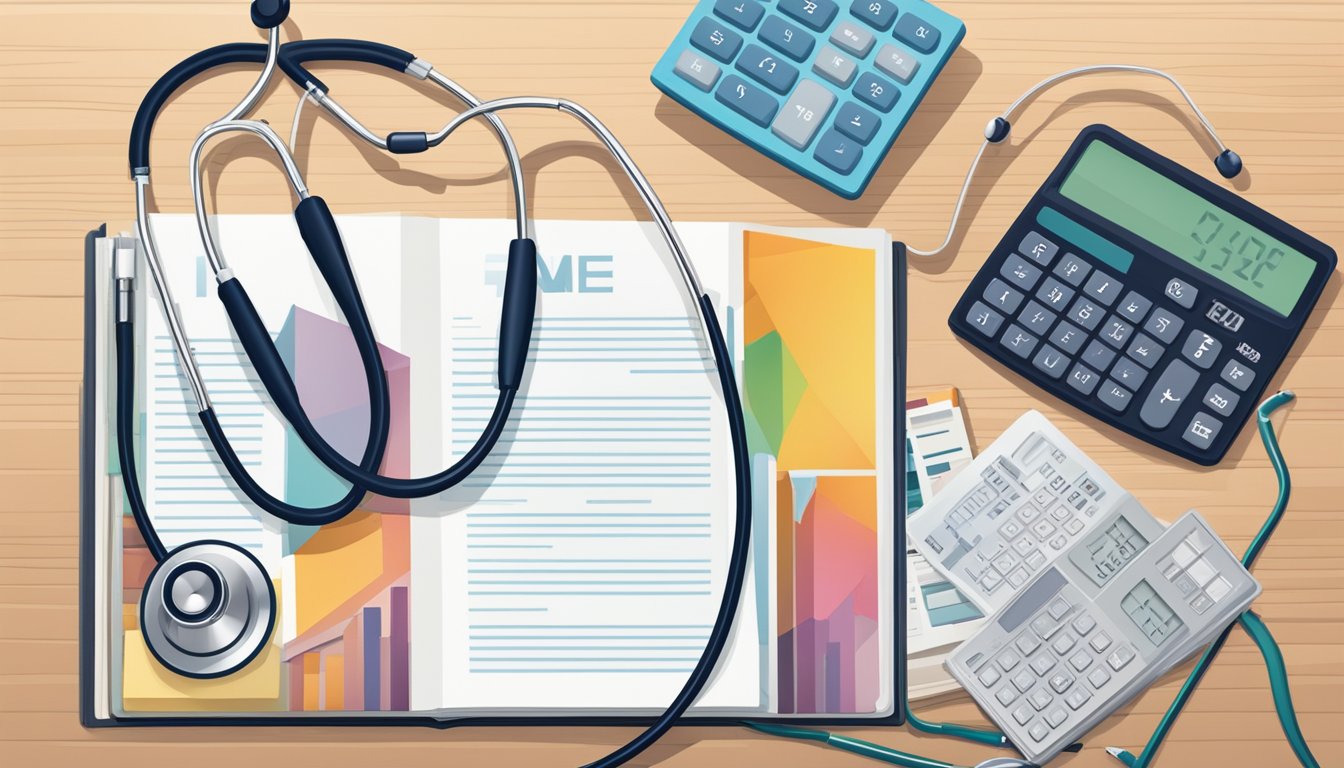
column 838, row 152
column 716, row 38
column 767, row 68
column 751, row 102
column 816, row 14
column 876, row 91
column 793, row 39
column 856, row 122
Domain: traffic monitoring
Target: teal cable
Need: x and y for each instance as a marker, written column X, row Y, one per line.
column 1288, row 722
column 1278, row 683
column 969, row 733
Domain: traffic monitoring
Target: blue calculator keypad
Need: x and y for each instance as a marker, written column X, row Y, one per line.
column 821, row 86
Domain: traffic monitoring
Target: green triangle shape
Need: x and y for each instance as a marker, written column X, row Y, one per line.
column 774, row 386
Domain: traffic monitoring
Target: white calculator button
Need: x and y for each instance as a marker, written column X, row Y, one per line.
column 1099, row 677
column 1043, row 627
column 1024, row 546
column 1026, row 513
column 1059, row 608
column 1040, row 699
column 1061, row 681
column 1201, row 603
column 1042, row 664
column 1007, row 660
column 1027, row 644
column 1023, row 681
column 1185, row 584
column 1064, row 643
column 1043, row 528
column 1078, row 698
column 1060, row 512
column 1018, row 578
column 1101, row 642
column 990, row 580
column 1006, row 695
column 1022, row 714
column 1198, row 540
column 1172, row 571
column 1035, row 560
column 1058, row 542
column 989, row 677
column 1184, row 555
column 1122, row 656
column 1005, row 562
column 1055, row 717
column 1043, row 497
column 1038, row 731
column 1201, row 571
column 1074, row 526
column 1083, row 624
column 1080, row 660
column 1010, row 529
column 1218, row 589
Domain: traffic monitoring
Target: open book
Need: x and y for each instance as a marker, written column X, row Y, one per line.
column 578, row 571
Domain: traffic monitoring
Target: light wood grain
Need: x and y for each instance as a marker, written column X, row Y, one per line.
column 1268, row 74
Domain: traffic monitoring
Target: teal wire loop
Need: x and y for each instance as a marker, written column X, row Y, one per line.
column 1278, row 674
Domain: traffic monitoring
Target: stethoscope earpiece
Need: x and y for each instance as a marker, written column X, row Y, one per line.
column 1228, row 163
column 269, row 14
column 997, row 130
column 207, row 609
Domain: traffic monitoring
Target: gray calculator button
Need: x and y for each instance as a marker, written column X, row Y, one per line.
column 1018, row 341
column 790, row 38
column 1164, row 325
column 1038, row 731
column 1238, row 375
column 835, row 66
column 743, row 14
column 700, row 71
column 856, row 122
column 1134, row 307
column 1082, row 379
column 805, row 111
column 1103, row 288
column 1036, row 318
column 1073, row 269
column 853, row 38
column 1116, row 397
column 766, row 68
column 1116, row 332
column 1040, row 699
column 1181, row 292
column 1221, row 399
column 1002, row 296
column 1037, row 248
column 1068, row 337
column 1098, row 355
column 816, row 14
column 1056, row 717
column 917, row 32
column 1145, row 350
column 1086, row 314
column 1201, row 349
column 878, row 13
column 1022, row 714
column 1168, row 394
column 897, row 62
column 1018, row 272
column 715, row 38
column 1055, row 294
column 753, row 103
column 837, row 151
column 1051, row 361
column 1129, row 373
column 1023, row 681
column 1202, row 430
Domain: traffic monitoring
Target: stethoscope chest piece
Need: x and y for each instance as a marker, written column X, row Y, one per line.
column 207, row 610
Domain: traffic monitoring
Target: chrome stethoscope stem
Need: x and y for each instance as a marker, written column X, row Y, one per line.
column 251, row 98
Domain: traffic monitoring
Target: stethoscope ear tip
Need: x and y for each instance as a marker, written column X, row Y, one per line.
column 269, row 14
column 1228, row 164
column 997, row 130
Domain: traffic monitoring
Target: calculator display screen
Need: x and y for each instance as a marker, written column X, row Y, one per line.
column 1215, row 241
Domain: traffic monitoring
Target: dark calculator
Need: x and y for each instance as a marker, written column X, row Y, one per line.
column 1146, row 296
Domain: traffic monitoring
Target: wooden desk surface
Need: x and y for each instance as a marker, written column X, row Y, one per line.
column 1269, row 75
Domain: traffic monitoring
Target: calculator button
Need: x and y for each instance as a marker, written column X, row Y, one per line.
column 1145, row 350
column 1036, row 318
column 1037, row 248
column 1010, row 529
column 1060, row 682
column 792, row 39
column 1078, row 698
column 1038, row 731
column 1134, row 306
column 1083, row 380
column 1122, row 656
column 1183, row 555
column 1023, row 681
column 1043, row 529
column 837, row 151
column 1018, row 272
column 1024, row 545
column 1164, row 325
column 1129, row 373
column 876, row 92
column 1002, row 296
column 1185, row 584
column 1044, row 627
column 1064, row 643
column 1201, row 349
column 1058, row 609
column 716, row 39
column 1027, row 643
column 853, row 38
column 1072, row 269
column 989, row 677
column 1086, row 314
column 1114, row 396
column 990, row 581
column 1202, row 430
column 1040, row 699
column 1018, row 578
column 897, row 62
column 1056, row 717
column 1042, row 664
column 700, row 71
column 1116, row 332
column 746, row 99
column 1099, row 677
column 816, row 14
column 805, row 111
column 1084, row 624
column 1201, row 603
column 1074, row 526
column 1218, row 588
column 1007, row 660
column 1004, row 563
column 1022, row 714
column 1221, row 399
column 1181, row 292
column 1098, row 355
column 1069, row 337
column 834, row 66
column 1018, row 341
column 745, row 15
column 917, row 32
column 876, row 13
column 1058, row 542
column 984, row 319
column 1035, row 560
column 1167, row 394
column 1103, row 288
column 766, row 68
column 1055, row 294
column 859, row 124
column 1006, row 695
column 1238, row 375
column 1080, row 661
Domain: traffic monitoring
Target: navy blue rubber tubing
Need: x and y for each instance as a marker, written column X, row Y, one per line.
column 126, row 440
column 737, row 561
column 515, row 334
column 292, row 57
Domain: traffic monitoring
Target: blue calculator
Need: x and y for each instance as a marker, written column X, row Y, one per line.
column 821, row 86
column 1145, row 296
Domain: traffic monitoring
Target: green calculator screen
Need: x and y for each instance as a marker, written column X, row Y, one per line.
column 1123, row 190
